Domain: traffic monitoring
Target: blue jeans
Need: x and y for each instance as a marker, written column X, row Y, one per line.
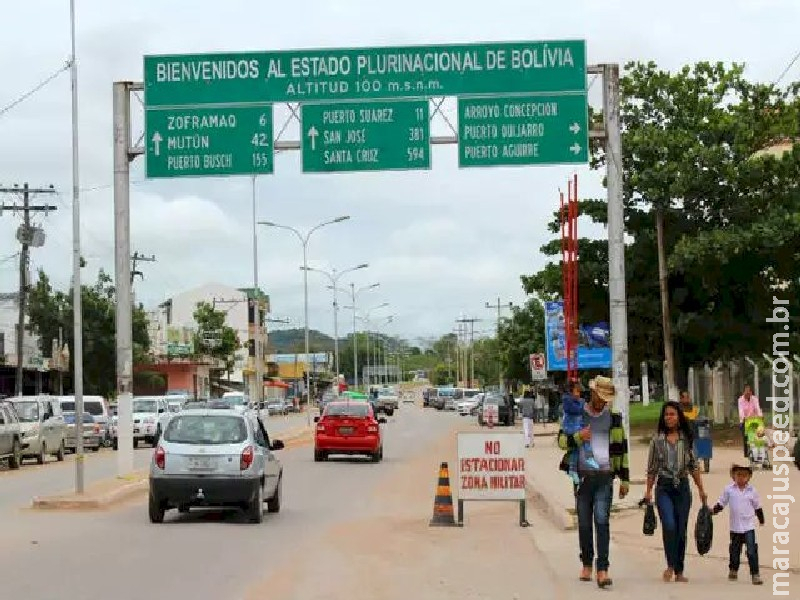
column 748, row 539
column 674, row 503
column 593, row 503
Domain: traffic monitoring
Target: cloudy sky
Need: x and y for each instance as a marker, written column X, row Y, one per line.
column 441, row 243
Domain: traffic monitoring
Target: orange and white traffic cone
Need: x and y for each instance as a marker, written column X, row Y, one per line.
column 443, row 503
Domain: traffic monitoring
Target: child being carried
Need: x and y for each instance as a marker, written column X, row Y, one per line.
column 572, row 423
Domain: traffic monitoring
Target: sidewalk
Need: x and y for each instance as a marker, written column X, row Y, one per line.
column 551, row 492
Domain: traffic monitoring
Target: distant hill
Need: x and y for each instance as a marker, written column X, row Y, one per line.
column 290, row 341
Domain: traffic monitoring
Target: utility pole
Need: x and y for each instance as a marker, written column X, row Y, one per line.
column 616, row 240
column 137, row 258
column 469, row 360
column 499, row 307
column 26, row 237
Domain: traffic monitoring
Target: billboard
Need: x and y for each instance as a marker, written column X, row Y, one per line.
column 594, row 341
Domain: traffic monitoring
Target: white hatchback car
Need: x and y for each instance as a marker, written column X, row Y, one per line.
column 215, row 457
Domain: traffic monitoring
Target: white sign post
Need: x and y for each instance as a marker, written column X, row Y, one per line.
column 538, row 369
column 491, row 466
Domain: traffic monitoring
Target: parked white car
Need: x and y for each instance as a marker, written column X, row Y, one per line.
column 95, row 406
column 42, row 424
column 469, row 403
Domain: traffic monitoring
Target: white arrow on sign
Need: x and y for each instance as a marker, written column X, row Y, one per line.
column 575, row 128
column 313, row 133
column 575, row 148
column 157, row 139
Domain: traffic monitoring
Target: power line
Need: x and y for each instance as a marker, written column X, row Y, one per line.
column 30, row 93
column 786, row 70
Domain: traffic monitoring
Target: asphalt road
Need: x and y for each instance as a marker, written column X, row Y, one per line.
column 17, row 488
column 213, row 555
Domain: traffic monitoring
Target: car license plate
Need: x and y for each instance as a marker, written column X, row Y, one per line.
column 345, row 430
column 199, row 462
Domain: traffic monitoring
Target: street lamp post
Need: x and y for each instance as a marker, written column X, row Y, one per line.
column 353, row 294
column 304, row 241
column 386, row 321
column 334, row 279
column 366, row 319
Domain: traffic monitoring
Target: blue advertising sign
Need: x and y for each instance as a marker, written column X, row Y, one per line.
column 594, row 341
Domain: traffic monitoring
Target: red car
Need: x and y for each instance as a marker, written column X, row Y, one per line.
column 348, row 428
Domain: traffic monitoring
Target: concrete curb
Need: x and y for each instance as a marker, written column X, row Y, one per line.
column 564, row 517
column 559, row 515
column 91, row 502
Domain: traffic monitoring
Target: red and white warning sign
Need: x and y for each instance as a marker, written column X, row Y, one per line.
column 491, row 466
column 538, row 368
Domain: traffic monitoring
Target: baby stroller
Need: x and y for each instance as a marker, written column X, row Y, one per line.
column 757, row 443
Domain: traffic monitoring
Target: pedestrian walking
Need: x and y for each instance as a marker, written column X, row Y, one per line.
column 748, row 407
column 526, row 409
column 541, row 406
column 605, row 432
column 670, row 462
column 745, row 506
column 690, row 411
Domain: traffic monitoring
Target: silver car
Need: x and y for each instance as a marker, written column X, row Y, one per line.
column 215, row 457
column 92, row 432
column 42, row 425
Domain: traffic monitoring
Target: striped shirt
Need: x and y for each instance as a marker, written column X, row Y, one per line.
column 617, row 446
column 659, row 464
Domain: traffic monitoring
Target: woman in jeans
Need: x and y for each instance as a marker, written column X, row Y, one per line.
column 670, row 462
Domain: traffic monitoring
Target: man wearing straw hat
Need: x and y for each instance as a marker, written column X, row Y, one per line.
column 605, row 433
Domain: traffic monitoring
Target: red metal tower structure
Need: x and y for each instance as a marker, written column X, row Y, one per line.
column 569, row 273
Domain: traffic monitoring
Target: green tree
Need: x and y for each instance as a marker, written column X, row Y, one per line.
column 50, row 310
column 521, row 335
column 731, row 225
column 214, row 337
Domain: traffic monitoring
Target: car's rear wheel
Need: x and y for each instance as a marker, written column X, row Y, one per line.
column 15, row 460
column 274, row 503
column 378, row 456
column 255, row 509
column 155, row 510
column 61, row 452
column 183, row 509
column 319, row 455
column 96, row 448
column 135, row 443
column 42, row 454
column 115, row 444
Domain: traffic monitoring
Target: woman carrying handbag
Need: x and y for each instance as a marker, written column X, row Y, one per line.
column 670, row 462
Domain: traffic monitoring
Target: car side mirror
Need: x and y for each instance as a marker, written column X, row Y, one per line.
column 382, row 420
column 277, row 445
column 316, row 419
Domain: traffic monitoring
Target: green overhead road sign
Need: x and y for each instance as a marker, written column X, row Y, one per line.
column 523, row 130
column 225, row 140
column 365, row 73
column 365, row 136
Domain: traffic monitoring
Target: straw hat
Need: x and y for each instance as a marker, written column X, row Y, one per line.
column 736, row 467
column 603, row 387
